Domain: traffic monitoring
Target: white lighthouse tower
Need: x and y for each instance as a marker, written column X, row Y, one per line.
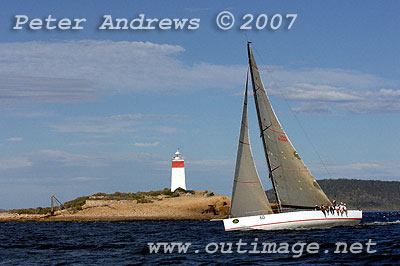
column 178, row 172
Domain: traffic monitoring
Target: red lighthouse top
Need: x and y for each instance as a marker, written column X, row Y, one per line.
column 177, row 160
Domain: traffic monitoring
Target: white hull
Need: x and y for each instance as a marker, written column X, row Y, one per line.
column 293, row 220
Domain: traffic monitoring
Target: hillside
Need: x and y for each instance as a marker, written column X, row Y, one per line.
column 363, row 194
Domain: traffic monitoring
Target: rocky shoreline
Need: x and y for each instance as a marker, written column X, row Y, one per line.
column 200, row 205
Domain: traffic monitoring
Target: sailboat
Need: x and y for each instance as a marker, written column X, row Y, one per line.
column 296, row 191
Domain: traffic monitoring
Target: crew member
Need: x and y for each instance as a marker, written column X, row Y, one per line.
column 323, row 209
column 341, row 208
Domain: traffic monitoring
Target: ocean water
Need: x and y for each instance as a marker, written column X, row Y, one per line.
column 127, row 243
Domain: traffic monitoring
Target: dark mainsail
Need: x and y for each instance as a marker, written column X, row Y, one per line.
column 293, row 183
column 248, row 196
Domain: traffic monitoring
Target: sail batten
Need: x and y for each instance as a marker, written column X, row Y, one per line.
column 248, row 196
column 292, row 181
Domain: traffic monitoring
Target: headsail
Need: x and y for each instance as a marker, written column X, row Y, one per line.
column 248, row 196
column 293, row 182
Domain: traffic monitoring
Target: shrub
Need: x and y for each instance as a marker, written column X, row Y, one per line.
column 76, row 203
column 38, row 210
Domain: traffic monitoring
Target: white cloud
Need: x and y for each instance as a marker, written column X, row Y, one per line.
column 90, row 143
column 127, row 123
column 323, row 78
column 53, row 180
column 382, row 101
column 81, row 71
column 14, row 162
column 142, row 116
column 29, row 114
column 318, row 90
column 76, row 71
column 317, row 107
column 85, row 178
column 166, row 129
column 17, row 89
column 389, row 93
column 146, row 144
column 385, row 170
column 15, row 139
column 65, row 158
column 309, row 92
column 57, row 158
column 93, row 125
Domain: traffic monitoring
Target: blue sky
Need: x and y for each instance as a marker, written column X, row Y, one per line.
column 92, row 111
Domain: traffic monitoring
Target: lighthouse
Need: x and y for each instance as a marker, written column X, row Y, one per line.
column 178, row 172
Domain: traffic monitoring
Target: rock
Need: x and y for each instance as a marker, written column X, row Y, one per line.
column 208, row 194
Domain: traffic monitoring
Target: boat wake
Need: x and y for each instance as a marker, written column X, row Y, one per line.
column 381, row 223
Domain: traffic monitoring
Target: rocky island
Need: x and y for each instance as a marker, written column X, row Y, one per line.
column 153, row 205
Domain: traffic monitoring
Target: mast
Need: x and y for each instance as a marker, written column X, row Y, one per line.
column 262, row 130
